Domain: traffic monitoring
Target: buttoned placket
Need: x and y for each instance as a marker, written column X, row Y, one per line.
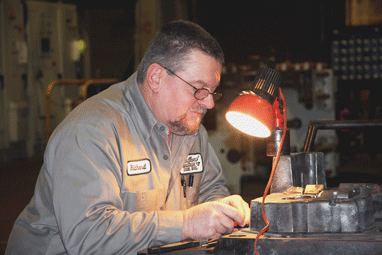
column 178, row 148
column 162, row 128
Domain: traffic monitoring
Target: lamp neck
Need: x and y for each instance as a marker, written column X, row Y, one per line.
column 279, row 122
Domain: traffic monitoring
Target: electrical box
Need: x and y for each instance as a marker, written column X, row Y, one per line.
column 13, row 69
column 52, row 28
column 36, row 43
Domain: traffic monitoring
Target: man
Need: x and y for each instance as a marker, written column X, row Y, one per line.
column 131, row 167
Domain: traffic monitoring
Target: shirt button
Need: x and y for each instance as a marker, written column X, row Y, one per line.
column 165, row 157
column 161, row 128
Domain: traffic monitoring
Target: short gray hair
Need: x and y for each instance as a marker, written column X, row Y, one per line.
column 172, row 44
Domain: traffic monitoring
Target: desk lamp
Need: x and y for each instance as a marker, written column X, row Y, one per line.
column 258, row 113
column 253, row 112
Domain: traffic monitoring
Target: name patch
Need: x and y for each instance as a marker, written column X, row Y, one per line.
column 193, row 164
column 135, row 167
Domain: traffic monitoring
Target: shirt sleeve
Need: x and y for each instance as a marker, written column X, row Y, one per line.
column 213, row 182
column 85, row 170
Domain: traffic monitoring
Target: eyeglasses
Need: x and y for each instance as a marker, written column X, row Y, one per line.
column 199, row 94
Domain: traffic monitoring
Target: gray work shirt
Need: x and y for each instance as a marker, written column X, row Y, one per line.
column 110, row 183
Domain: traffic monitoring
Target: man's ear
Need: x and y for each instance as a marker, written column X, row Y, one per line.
column 154, row 76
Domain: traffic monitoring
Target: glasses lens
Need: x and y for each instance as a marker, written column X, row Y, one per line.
column 203, row 93
column 200, row 94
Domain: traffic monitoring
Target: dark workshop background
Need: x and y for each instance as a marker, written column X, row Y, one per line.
column 284, row 31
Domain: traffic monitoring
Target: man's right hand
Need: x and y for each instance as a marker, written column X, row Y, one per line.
column 209, row 220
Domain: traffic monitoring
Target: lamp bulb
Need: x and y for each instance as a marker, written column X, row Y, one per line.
column 248, row 124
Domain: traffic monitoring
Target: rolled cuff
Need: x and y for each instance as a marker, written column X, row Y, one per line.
column 170, row 227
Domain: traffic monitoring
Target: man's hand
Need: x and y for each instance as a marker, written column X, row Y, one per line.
column 242, row 206
column 214, row 219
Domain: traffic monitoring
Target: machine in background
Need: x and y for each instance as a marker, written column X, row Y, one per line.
column 38, row 43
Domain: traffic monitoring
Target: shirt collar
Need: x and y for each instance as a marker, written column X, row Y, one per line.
column 144, row 117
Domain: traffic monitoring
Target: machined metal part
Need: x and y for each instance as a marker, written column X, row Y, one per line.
column 282, row 179
column 313, row 190
column 299, row 170
column 348, row 209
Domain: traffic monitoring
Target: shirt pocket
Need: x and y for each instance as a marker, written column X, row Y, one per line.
column 144, row 201
column 194, row 190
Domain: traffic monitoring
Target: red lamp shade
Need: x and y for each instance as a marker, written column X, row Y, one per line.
column 252, row 115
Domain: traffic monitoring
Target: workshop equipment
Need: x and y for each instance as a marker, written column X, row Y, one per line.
column 300, row 215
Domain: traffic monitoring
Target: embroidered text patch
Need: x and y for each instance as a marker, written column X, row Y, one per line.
column 193, row 164
column 135, row 167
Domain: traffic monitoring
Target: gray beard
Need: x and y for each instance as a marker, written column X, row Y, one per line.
column 178, row 127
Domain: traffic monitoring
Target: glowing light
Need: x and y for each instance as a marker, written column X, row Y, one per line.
column 252, row 115
column 247, row 124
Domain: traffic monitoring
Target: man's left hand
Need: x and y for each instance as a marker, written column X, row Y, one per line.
column 242, row 206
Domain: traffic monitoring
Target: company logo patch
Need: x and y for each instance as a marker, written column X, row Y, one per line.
column 193, row 164
column 135, row 167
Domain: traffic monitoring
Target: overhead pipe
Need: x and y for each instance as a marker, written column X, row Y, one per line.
column 335, row 124
column 84, row 88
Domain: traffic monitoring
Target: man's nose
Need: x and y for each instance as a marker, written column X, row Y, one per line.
column 208, row 102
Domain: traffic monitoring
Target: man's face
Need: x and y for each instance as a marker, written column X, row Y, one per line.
column 184, row 111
